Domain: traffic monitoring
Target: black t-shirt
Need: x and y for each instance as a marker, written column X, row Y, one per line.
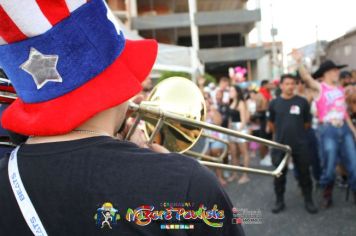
column 289, row 117
column 68, row 183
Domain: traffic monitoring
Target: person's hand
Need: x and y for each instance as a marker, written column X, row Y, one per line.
column 297, row 56
column 138, row 137
column 137, row 100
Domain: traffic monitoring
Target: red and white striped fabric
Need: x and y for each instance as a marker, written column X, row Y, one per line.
column 21, row 19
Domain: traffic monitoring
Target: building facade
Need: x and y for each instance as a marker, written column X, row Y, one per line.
column 343, row 50
column 268, row 67
column 222, row 28
column 314, row 54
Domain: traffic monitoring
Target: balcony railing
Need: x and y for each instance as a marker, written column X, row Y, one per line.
column 177, row 20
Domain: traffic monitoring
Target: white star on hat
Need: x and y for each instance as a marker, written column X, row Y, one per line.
column 42, row 68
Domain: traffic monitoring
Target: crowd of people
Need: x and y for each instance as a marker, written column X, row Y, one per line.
column 244, row 110
column 314, row 114
column 72, row 78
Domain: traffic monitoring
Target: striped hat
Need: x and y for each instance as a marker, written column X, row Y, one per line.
column 67, row 60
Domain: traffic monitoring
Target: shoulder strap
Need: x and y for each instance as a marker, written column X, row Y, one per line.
column 28, row 211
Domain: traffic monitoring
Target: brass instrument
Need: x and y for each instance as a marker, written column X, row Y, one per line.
column 174, row 116
column 218, row 159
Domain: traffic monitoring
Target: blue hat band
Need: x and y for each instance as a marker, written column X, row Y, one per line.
column 85, row 44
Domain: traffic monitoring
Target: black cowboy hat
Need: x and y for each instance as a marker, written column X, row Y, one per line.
column 326, row 66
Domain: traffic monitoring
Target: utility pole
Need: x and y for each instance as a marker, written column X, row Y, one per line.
column 274, row 32
column 131, row 12
column 258, row 25
column 194, row 32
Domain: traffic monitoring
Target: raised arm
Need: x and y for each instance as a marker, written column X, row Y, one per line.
column 304, row 74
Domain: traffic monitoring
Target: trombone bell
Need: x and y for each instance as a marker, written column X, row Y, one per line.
column 176, row 96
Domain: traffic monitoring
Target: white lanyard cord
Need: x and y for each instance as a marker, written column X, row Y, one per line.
column 28, row 211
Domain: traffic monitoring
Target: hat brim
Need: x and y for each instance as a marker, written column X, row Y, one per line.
column 115, row 85
column 319, row 73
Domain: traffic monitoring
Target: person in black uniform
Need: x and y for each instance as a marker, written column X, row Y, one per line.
column 74, row 82
column 288, row 118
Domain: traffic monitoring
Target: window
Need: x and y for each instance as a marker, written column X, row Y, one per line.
column 347, row 50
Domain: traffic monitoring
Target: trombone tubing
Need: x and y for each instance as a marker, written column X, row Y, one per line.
column 146, row 111
column 156, row 112
column 276, row 173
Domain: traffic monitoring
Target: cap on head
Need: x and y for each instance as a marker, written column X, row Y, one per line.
column 345, row 74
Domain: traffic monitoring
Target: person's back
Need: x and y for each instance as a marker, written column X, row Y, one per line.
column 68, row 181
column 74, row 73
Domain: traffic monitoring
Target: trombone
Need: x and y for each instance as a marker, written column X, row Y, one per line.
column 218, row 159
column 174, row 117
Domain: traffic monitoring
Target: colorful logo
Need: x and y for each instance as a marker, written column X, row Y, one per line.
column 106, row 216
column 146, row 214
column 169, row 215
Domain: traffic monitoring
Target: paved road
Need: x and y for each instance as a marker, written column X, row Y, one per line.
column 294, row 221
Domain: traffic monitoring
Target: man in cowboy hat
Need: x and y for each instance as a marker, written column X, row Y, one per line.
column 74, row 73
column 337, row 133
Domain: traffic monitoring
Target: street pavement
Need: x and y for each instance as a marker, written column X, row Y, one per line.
column 257, row 195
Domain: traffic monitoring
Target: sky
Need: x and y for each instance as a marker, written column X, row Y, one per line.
column 296, row 20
